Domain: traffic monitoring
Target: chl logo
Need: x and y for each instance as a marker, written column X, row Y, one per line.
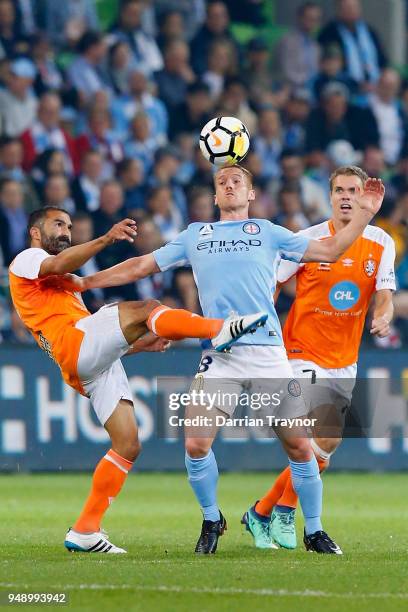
column 344, row 295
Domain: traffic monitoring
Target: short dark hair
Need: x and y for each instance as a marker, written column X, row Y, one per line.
column 348, row 171
column 37, row 217
column 302, row 8
column 88, row 39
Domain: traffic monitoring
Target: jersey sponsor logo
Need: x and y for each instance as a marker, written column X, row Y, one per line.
column 370, row 266
column 344, row 295
column 323, row 267
column 347, row 263
column 294, row 388
column 227, row 246
column 251, row 228
column 206, row 230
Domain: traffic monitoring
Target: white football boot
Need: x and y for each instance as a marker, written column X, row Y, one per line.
column 236, row 326
column 90, row 542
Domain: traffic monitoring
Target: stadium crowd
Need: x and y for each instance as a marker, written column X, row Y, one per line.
column 103, row 120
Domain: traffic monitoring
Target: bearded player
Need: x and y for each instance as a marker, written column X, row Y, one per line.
column 88, row 348
column 322, row 336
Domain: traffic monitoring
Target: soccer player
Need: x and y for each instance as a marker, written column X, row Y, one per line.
column 235, row 265
column 322, row 335
column 88, row 348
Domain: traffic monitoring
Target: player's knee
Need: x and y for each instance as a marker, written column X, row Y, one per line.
column 129, row 448
column 149, row 305
column 197, row 447
column 299, row 449
column 324, row 447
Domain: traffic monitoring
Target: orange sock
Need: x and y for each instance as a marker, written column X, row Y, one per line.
column 268, row 501
column 108, row 479
column 177, row 324
column 282, row 493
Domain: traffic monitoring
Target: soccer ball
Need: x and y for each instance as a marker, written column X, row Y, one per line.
column 224, row 140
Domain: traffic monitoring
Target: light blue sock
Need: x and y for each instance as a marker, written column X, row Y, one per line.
column 203, row 477
column 309, row 488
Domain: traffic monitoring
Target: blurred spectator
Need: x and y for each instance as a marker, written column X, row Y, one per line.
column 28, row 12
column 49, row 76
column 192, row 12
column 362, row 51
column 142, row 144
column 12, row 40
column 234, row 102
column 193, row 114
column 149, row 239
column 332, row 69
column 101, row 137
column 314, row 202
column 131, row 177
column 216, row 26
column 13, row 220
column 204, row 170
column 83, row 231
column 129, row 27
column 185, row 291
column 185, row 143
column 176, row 75
column 395, row 223
column 267, row 143
column 48, row 163
column 11, row 157
column 85, row 72
column 18, row 104
column 373, row 163
column 392, row 121
column 171, row 27
column 110, row 211
column 336, row 119
column 125, row 107
column 57, row 193
column 291, row 213
column 67, row 21
column 165, row 213
column 201, row 206
column 86, row 187
column 294, row 118
column 164, row 174
column 257, row 74
column 247, row 11
column 400, row 179
column 298, row 51
column 45, row 133
column 119, row 65
column 222, row 63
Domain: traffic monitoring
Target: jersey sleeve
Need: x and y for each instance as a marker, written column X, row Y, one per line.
column 27, row 264
column 173, row 253
column 291, row 246
column 385, row 274
column 287, row 269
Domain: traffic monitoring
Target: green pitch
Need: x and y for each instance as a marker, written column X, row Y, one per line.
column 157, row 521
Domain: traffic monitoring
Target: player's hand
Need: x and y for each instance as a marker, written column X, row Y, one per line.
column 149, row 343
column 380, row 327
column 124, row 230
column 65, row 282
column 372, row 195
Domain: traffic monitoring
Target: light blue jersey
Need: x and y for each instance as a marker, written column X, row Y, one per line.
column 235, row 267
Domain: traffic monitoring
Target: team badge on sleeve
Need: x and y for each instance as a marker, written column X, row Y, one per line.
column 294, row 388
column 251, row 228
column 370, row 266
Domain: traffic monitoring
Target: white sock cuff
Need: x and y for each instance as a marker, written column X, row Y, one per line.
column 319, row 452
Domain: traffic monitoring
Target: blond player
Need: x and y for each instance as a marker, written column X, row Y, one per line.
column 88, row 348
column 322, row 336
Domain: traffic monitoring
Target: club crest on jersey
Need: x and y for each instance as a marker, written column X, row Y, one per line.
column 251, row 228
column 206, row 230
column 294, row 388
column 370, row 267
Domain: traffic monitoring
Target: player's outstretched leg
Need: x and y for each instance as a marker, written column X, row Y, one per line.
column 109, row 476
column 176, row 324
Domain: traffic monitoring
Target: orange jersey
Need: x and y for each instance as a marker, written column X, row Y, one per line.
column 326, row 320
column 50, row 314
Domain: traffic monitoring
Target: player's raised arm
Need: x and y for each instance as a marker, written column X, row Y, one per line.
column 383, row 313
column 369, row 203
column 72, row 258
